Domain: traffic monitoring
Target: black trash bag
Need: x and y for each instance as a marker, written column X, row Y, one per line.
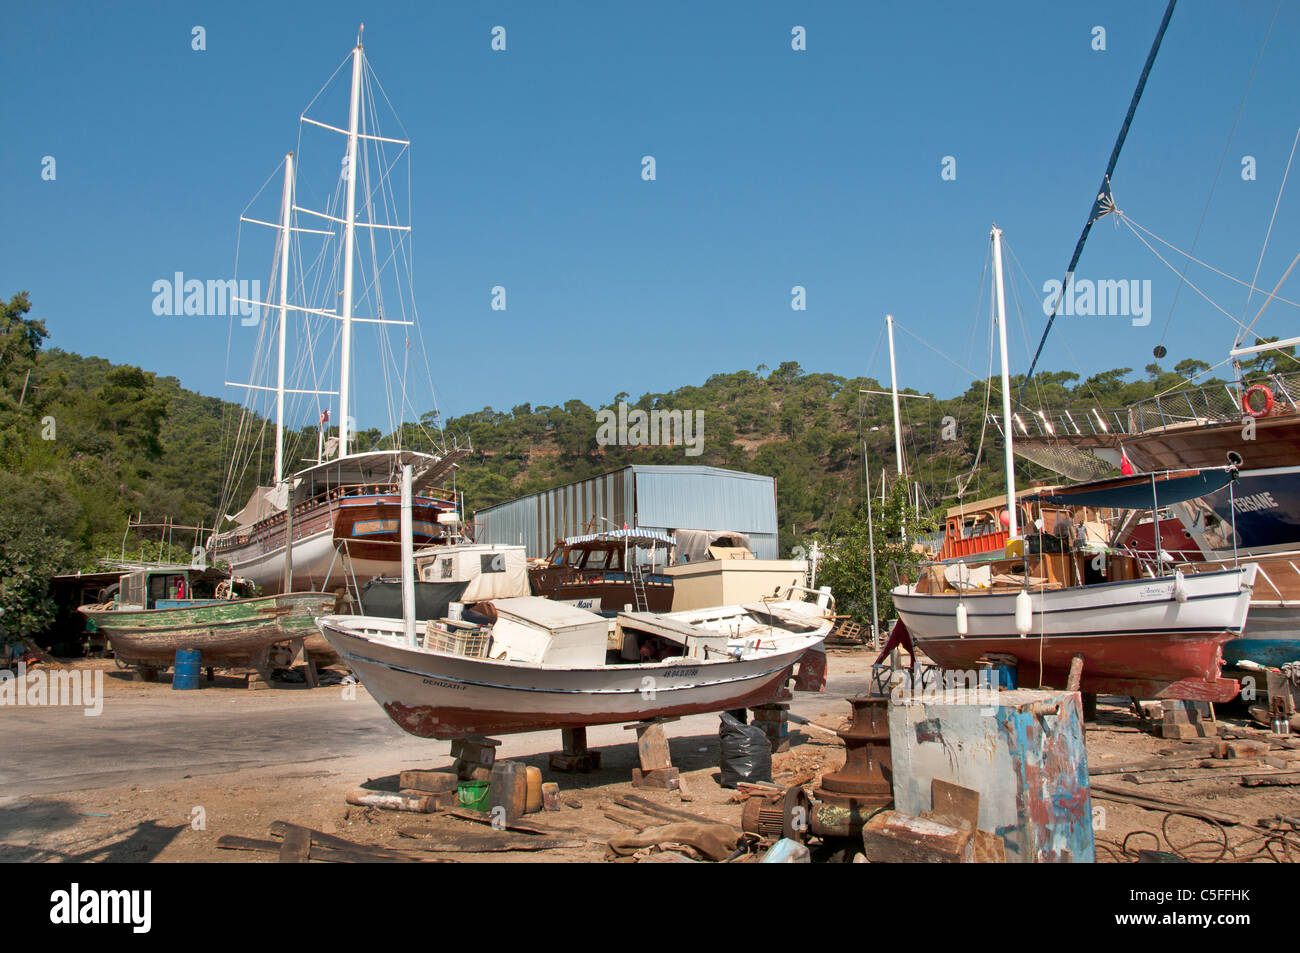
column 746, row 752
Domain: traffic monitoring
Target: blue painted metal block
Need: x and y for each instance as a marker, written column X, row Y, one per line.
column 1022, row 750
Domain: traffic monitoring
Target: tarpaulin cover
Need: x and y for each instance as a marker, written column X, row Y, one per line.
column 1136, row 492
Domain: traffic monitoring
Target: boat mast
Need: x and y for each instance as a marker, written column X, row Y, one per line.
column 1008, row 452
column 349, row 241
column 286, row 207
column 893, row 387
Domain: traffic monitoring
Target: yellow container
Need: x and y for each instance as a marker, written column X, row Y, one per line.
column 1015, row 547
column 533, row 802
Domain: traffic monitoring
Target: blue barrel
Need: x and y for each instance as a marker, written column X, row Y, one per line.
column 186, row 673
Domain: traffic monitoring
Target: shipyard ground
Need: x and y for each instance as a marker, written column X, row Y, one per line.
column 160, row 775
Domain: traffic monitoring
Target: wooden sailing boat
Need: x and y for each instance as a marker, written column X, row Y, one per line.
column 335, row 523
column 1141, row 630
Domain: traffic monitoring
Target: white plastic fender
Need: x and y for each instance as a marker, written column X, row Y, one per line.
column 1024, row 613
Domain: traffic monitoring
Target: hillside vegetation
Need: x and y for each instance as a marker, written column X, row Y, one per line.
column 85, row 444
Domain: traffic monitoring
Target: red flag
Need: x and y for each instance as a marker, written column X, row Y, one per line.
column 1125, row 466
column 324, row 417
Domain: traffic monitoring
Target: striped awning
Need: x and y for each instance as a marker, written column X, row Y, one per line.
column 637, row 537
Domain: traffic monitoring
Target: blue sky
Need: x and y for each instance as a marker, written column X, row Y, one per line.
column 775, row 168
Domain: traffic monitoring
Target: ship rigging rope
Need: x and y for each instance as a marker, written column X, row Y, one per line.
column 1231, row 317
column 1129, row 220
column 1219, row 172
column 1267, row 235
column 1098, row 207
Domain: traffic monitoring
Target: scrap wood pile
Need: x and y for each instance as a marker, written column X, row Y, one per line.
column 1246, row 757
column 466, row 834
column 1242, row 757
column 299, row 845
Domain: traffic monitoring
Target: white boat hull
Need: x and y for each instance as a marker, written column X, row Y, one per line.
column 1135, row 636
column 438, row 695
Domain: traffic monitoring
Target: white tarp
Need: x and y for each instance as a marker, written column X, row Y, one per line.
column 693, row 544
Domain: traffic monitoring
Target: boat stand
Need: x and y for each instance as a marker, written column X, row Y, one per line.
column 575, row 756
column 474, row 757
column 656, row 769
column 294, row 654
column 773, row 720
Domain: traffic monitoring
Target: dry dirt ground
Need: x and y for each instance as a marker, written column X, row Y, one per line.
column 161, row 775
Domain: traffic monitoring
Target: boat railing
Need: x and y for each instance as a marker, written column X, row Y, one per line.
column 817, row 595
column 1278, row 562
column 1197, row 406
column 334, row 494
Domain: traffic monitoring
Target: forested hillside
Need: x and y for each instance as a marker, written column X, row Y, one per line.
column 85, row 443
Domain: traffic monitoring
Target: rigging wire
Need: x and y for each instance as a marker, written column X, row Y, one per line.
column 1219, row 172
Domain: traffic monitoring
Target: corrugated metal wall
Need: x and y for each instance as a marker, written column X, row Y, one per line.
column 707, row 498
column 662, row 497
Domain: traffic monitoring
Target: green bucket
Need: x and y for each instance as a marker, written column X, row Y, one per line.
column 473, row 795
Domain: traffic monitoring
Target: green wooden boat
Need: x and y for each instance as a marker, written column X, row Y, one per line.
column 153, row 620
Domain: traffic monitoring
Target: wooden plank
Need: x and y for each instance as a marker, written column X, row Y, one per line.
column 955, row 801
column 235, row 842
column 1176, row 775
column 632, row 802
column 1153, row 802
column 1271, row 780
column 1144, row 764
column 321, row 839
column 491, row 841
column 296, row 847
column 478, row 818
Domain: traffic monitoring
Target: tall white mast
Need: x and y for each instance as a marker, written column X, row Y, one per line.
column 349, row 239
column 893, row 386
column 286, row 207
column 1008, row 452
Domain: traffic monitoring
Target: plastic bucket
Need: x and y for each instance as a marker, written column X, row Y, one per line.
column 186, row 669
column 473, row 795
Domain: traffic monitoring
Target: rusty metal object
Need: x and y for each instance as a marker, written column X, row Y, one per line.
column 779, row 814
column 847, row 798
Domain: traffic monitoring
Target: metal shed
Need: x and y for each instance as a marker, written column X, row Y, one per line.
column 665, row 498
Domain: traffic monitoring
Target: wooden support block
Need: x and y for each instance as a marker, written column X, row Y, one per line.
column 1250, row 750
column 429, row 782
column 575, row 756
column 665, row 779
column 652, row 747
column 1182, row 731
column 446, row 801
column 478, row 750
column 585, row 762
column 895, row 837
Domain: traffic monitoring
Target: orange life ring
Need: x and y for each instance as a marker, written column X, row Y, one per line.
column 1251, row 392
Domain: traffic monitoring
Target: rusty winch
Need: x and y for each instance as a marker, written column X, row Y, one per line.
column 846, row 799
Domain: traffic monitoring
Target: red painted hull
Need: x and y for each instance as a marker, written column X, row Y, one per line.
column 1137, row 665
